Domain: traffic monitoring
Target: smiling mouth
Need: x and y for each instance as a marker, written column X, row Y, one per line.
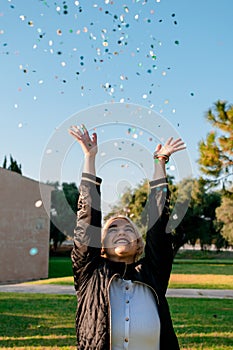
column 121, row 241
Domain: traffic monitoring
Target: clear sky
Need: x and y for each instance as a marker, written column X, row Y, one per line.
column 172, row 58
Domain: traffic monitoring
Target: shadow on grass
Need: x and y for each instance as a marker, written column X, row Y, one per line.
column 203, row 323
column 22, row 331
column 37, row 320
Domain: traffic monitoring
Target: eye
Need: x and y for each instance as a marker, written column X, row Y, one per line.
column 112, row 230
column 129, row 229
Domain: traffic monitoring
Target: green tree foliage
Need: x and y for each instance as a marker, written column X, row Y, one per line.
column 216, row 152
column 14, row 166
column 63, row 212
column 189, row 201
column 198, row 222
column 224, row 215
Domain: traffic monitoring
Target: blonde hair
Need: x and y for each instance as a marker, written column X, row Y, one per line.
column 140, row 243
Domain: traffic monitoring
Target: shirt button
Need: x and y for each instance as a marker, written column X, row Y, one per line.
column 127, row 318
column 126, row 340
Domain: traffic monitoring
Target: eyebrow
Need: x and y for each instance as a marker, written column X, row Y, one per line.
column 114, row 225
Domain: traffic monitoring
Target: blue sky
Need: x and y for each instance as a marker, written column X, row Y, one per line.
column 173, row 57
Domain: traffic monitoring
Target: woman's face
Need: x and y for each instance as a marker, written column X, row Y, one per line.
column 120, row 243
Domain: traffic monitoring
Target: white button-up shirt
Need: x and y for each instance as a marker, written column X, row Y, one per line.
column 135, row 323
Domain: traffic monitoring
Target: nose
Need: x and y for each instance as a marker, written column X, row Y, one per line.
column 121, row 230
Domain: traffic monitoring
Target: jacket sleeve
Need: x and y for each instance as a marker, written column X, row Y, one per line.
column 158, row 249
column 87, row 233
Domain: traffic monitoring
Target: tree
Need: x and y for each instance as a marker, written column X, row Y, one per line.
column 14, row 166
column 224, row 215
column 198, row 223
column 63, row 212
column 216, row 152
column 189, row 201
column 4, row 163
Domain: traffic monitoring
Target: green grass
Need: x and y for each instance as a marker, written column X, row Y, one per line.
column 203, row 324
column 60, row 267
column 201, row 281
column 204, row 254
column 37, row 320
column 176, row 281
column 202, row 267
column 186, row 273
column 46, row 322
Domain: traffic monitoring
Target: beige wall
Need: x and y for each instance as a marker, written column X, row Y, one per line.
column 24, row 228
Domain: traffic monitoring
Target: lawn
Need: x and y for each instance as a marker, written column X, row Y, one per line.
column 186, row 273
column 61, row 266
column 46, row 322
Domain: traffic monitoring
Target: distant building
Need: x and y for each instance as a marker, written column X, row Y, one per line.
column 24, row 228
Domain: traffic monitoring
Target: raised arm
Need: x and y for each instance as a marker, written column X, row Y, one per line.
column 158, row 250
column 87, row 233
column 88, row 145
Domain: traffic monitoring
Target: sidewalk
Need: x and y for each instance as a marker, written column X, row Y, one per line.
column 60, row 289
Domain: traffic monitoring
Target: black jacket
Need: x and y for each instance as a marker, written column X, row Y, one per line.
column 93, row 273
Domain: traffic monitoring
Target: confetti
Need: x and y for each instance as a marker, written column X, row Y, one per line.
column 33, row 251
column 107, row 36
column 38, row 203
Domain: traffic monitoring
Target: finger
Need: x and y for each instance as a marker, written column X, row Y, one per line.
column 158, row 148
column 94, row 138
column 177, row 141
column 75, row 135
column 180, row 144
column 180, row 148
column 84, row 130
column 76, row 129
column 85, row 133
column 168, row 142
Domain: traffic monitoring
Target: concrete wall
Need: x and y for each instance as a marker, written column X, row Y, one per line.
column 24, row 228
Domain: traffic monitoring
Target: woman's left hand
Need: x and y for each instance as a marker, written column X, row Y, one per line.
column 170, row 146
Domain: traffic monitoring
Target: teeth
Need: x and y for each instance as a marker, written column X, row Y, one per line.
column 121, row 241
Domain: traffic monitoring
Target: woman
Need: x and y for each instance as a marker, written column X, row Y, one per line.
column 121, row 300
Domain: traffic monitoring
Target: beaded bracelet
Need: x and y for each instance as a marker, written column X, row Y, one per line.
column 164, row 156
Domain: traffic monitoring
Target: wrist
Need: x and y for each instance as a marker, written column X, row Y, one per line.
column 89, row 156
column 161, row 157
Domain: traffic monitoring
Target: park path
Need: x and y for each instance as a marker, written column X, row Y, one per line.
column 69, row 290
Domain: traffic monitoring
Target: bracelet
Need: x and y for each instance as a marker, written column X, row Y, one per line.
column 164, row 156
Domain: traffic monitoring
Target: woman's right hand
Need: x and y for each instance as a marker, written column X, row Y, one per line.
column 88, row 144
